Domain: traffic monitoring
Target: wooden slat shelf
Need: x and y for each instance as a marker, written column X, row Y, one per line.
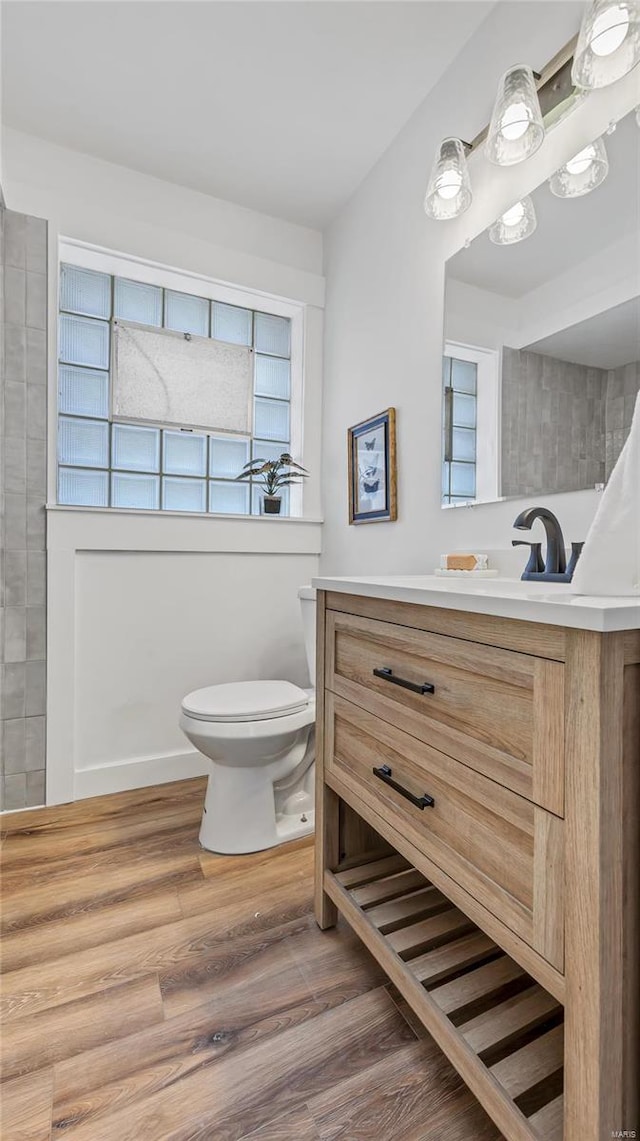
column 502, row 1030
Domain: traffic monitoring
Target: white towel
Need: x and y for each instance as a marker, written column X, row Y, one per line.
column 610, row 560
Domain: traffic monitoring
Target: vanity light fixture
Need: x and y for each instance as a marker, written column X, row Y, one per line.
column 582, row 173
column 516, row 224
column 449, row 190
column 516, row 130
column 608, row 44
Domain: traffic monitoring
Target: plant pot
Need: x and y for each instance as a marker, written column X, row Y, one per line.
column 272, row 504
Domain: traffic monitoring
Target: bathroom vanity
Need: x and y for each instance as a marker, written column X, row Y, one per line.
column 477, row 824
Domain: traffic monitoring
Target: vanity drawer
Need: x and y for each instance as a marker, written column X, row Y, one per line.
column 502, row 849
column 498, row 711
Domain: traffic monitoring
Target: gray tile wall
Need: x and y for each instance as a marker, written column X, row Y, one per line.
column 23, row 451
column 553, row 424
column 623, row 385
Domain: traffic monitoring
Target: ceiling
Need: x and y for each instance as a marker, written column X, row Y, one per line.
column 569, row 230
column 281, row 107
column 608, row 340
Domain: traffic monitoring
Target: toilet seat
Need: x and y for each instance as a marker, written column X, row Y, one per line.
column 245, row 701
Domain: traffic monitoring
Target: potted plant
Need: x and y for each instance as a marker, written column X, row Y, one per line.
column 273, row 475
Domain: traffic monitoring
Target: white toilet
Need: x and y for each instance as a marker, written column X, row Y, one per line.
column 259, row 737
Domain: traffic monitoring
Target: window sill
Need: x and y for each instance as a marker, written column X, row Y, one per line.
column 115, row 512
column 86, row 529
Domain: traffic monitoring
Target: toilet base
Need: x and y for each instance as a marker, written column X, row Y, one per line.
column 244, row 814
column 287, row 828
column 295, row 827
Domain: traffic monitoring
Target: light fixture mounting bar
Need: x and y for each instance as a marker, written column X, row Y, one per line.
column 553, row 85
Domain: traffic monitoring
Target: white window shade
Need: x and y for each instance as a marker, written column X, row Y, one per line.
column 165, row 377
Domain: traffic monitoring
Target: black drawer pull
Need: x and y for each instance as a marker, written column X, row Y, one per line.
column 385, row 773
column 388, row 675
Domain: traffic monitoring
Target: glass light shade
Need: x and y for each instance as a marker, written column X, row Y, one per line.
column 449, row 190
column 608, row 44
column 517, row 223
column 516, row 129
column 582, row 173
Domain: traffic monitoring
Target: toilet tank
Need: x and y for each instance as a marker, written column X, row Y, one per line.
column 307, row 596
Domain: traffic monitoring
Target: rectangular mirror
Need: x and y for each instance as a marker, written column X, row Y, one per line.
column 541, row 363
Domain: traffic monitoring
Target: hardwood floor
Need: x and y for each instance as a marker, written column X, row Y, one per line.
column 152, row 991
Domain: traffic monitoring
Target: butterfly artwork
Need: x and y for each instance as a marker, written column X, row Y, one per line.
column 372, row 469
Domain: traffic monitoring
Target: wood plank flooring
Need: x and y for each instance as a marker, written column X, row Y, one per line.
column 152, row 991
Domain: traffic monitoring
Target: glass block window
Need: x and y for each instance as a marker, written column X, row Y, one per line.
column 153, row 466
column 229, row 323
column 460, row 412
column 185, row 453
column 83, row 291
column 186, row 314
column 135, row 301
column 130, row 490
column 135, row 448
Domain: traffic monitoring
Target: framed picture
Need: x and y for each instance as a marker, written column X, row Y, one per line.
column 372, row 469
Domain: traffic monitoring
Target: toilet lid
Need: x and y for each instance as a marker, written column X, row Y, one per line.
column 245, row 701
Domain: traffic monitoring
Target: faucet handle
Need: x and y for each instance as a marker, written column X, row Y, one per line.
column 535, row 564
column 576, row 551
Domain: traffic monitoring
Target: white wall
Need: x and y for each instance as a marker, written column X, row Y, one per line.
column 597, row 283
column 384, row 263
column 143, row 608
column 97, row 201
column 478, row 317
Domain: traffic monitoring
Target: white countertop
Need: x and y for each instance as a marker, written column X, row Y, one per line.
column 548, row 602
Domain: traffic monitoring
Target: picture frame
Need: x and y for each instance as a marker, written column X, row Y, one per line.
column 372, row 469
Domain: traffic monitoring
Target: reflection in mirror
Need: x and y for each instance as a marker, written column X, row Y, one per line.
column 542, row 343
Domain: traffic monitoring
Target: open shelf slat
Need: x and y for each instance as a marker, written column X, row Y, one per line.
column 391, row 887
column 531, row 1064
column 417, row 937
column 499, row 1027
column 507, row 1022
column 377, row 869
column 451, row 958
column 548, row 1121
column 396, row 912
column 489, row 979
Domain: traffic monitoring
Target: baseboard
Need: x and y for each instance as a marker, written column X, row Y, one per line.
column 138, row 772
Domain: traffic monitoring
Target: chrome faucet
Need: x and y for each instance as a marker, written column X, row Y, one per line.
column 554, row 568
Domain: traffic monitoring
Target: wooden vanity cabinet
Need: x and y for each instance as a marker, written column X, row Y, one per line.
column 478, row 798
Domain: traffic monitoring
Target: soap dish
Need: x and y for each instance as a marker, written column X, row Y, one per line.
column 465, row 573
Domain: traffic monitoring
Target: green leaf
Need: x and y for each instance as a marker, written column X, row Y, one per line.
column 285, row 480
column 273, row 474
